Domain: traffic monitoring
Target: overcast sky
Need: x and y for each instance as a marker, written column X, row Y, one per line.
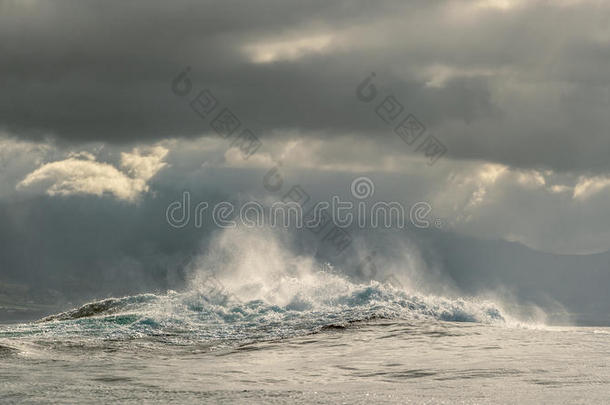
column 93, row 135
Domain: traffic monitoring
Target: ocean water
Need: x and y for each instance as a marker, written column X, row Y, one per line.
column 258, row 324
column 333, row 341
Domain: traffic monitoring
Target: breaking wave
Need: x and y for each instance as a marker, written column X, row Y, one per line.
column 259, row 291
column 212, row 314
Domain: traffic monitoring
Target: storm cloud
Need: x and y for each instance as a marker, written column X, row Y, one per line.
column 502, row 81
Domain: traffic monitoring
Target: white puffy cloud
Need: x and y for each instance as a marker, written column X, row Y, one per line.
column 288, row 50
column 80, row 173
column 588, row 186
column 144, row 164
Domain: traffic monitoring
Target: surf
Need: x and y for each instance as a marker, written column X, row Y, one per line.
column 248, row 286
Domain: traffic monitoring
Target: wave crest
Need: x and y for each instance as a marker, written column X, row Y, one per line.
column 212, row 315
column 248, row 287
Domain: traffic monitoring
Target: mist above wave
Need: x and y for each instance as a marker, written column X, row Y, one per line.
column 248, row 286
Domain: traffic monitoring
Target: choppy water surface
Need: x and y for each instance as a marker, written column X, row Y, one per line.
column 332, row 342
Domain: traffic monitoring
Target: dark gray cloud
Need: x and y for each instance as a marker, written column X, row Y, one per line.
column 512, row 85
